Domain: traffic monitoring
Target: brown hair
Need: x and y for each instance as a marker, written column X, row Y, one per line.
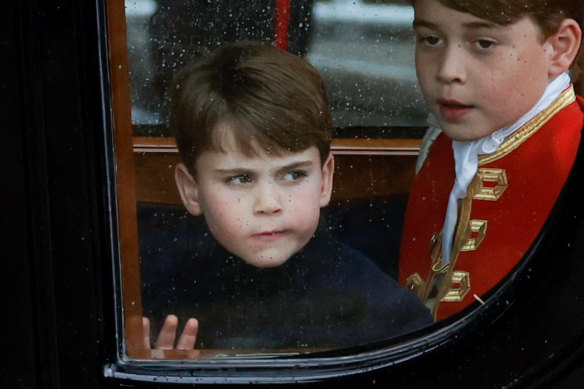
column 268, row 99
column 547, row 14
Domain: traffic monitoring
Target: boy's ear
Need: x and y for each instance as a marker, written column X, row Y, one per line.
column 564, row 45
column 188, row 189
column 328, row 170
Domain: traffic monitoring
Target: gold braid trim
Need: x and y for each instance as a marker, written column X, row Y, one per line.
column 516, row 139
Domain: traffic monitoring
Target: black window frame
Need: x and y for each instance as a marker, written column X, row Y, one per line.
column 64, row 252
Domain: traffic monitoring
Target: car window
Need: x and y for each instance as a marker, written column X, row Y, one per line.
column 364, row 53
column 371, row 267
column 363, row 49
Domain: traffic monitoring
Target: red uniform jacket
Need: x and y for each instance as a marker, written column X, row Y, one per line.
column 506, row 206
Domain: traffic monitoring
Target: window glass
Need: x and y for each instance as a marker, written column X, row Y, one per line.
column 364, row 52
column 337, row 280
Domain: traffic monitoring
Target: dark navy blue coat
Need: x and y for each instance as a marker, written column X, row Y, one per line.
column 328, row 295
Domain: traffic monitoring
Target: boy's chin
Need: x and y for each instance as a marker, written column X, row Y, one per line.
column 265, row 263
column 266, row 260
column 463, row 135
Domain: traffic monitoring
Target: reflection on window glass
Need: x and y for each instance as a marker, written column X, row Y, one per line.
column 327, row 278
column 365, row 52
column 363, row 49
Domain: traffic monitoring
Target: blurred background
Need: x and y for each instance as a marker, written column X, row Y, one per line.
column 364, row 49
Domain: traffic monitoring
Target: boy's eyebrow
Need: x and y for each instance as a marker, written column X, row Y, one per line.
column 237, row 170
column 240, row 170
column 424, row 23
column 296, row 165
column 470, row 25
column 477, row 25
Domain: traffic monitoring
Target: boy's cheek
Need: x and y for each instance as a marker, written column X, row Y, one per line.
column 308, row 219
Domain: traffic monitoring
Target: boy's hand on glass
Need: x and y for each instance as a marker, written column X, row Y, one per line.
column 167, row 335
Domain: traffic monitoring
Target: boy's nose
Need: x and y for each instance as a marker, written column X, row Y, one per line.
column 452, row 69
column 267, row 200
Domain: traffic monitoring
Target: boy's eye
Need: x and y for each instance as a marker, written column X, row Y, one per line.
column 430, row 40
column 240, row 179
column 484, row 44
column 294, row 175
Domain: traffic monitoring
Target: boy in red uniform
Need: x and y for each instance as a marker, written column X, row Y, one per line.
column 495, row 76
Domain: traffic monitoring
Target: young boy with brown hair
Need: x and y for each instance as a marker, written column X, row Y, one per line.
column 495, row 76
column 253, row 129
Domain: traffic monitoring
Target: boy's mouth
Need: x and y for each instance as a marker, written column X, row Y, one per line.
column 452, row 110
column 270, row 236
